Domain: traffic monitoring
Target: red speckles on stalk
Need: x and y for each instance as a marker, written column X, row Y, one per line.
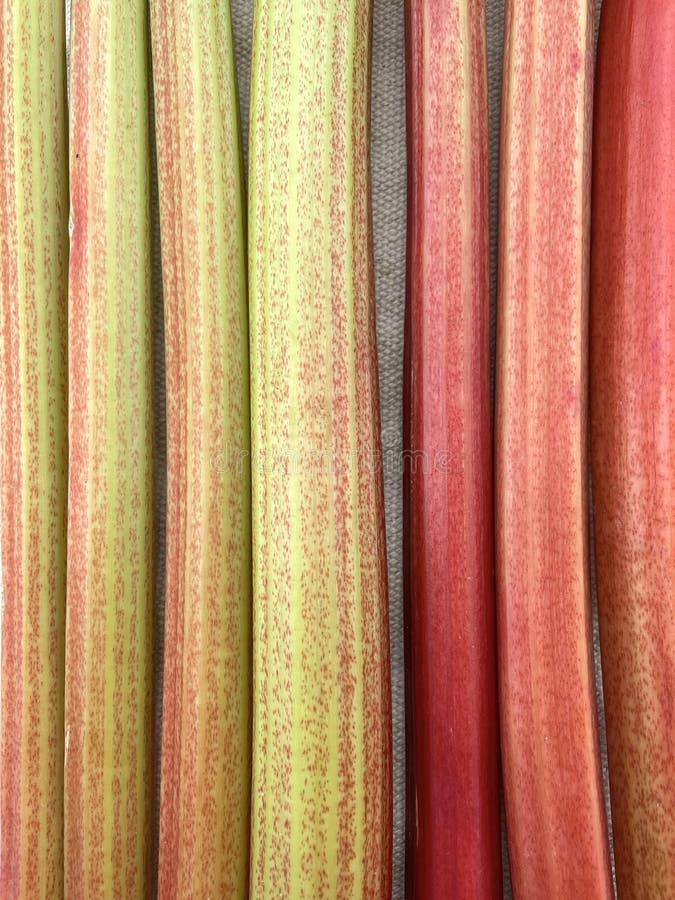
column 453, row 803
column 321, row 818
column 108, row 758
column 633, row 430
column 12, row 519
column 205, row 765
column 554, row 805
column 33, row 458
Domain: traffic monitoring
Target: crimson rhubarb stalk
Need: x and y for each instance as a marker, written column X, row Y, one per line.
column 633, row 430
column 554, row 803
column 34, row 456
column 321, row 804
column 108, row 742
column 205, row 759
column 453, row 805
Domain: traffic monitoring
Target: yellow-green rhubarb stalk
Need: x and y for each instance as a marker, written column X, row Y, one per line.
column 108, row 743
column 205, row 758
column 33, row 436
column 321, row 805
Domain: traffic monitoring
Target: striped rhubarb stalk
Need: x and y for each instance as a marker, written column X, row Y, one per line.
column 321, row 805
column 453, row 845
column 633, row 430
column 108, row 764
column 554, row 803
column 34, row 456
column 205, row 759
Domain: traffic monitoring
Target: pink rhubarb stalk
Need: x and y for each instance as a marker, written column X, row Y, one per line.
column 555, row 817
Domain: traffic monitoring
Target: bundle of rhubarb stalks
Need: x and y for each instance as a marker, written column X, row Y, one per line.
column 250, row 615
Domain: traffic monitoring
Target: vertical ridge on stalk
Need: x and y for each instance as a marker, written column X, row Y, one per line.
column 33, row 462
column 109, row 642
column 321, row 749
column 205, row 766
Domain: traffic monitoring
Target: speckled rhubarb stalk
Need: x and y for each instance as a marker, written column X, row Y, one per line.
column 33, row 432
column 108, row 764
column 322, row 816
column 453, row 845
column 555, row 816
column 633, row 430
column 205, row 760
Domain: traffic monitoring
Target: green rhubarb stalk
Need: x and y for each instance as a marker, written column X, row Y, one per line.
column 205, row 758
column 34, row 452
column 321, row 801
column 108, row 759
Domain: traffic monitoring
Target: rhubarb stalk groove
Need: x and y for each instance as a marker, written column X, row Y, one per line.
column 108, row 741
column 633, row 430
column 34, row 457
column 321, row 804
column 556, row 826
column 453, row 803
column 205, row 759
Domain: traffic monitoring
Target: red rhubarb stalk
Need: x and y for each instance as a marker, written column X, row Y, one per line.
column 453, row 803
column 555, row 815
column 633, row 430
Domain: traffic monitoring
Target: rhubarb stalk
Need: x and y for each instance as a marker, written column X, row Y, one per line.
column 633, row 430
column 453, row 805
column 108, row 763
column 556, row 826
column 321, row 804
column 34, row 456
column 205, row 757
